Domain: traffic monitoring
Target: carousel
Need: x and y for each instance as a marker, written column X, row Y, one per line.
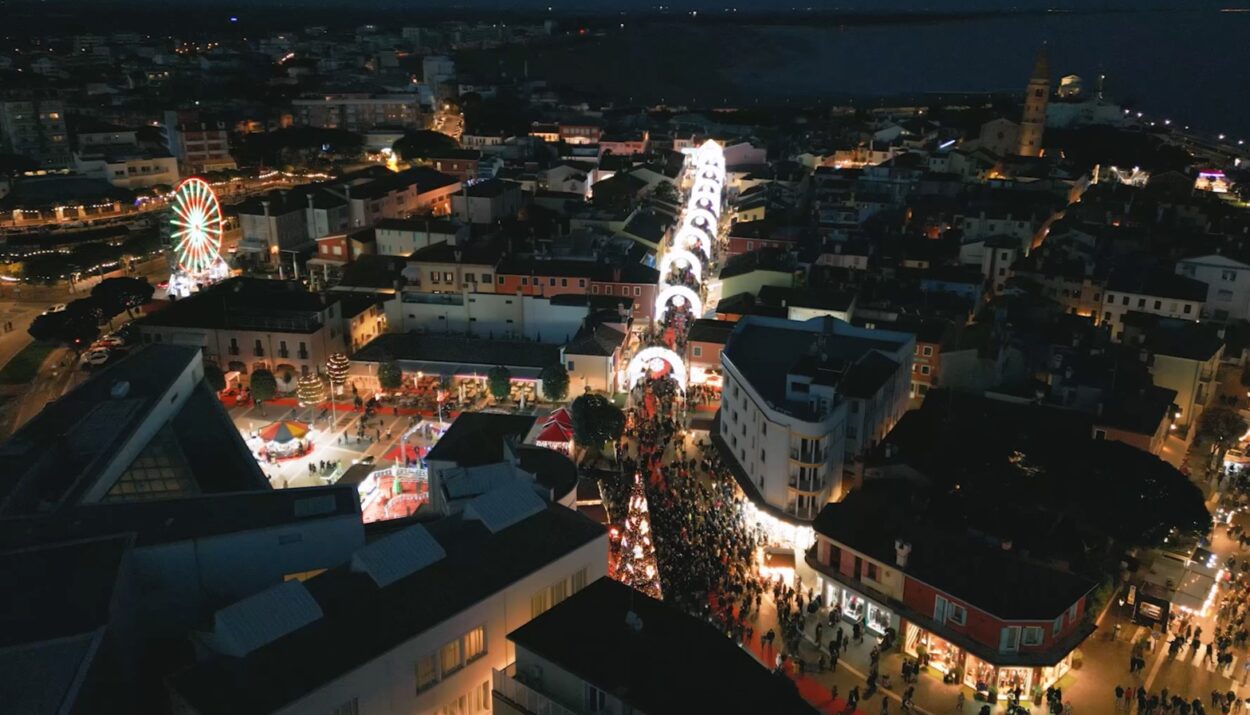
column 284, row 439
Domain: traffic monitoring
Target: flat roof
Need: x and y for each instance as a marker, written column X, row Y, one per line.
column 477, row 438
column 673, row 663
column 476, row 565
column 479, row 353
column 244, row 303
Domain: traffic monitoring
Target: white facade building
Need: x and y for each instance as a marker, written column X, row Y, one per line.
column 401, row 237
column 554, row 319
column 1228, row 285
column 415, row 624
column 1165, row 294
column 127, row 170
column 801, row 401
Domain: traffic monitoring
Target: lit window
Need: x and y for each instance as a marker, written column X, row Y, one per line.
column 1033, row 635
column 475, row 643
column 426, row 673
column 450, row 657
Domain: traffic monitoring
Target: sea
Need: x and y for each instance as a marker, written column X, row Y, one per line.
column 1192, row 67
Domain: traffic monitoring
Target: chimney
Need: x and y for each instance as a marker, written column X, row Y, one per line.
column 902, row 550
column 616, row 274
column 264, row 204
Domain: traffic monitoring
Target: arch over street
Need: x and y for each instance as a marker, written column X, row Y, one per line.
column 679, row 295
column 683, row 259
column 645, row 359
column 689, row 237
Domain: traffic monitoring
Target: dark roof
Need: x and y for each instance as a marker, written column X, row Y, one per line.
column 1176, row 337
column 865, row 378
column 764, row 259
column 477, row 438
column 871, row 518
column 708, row 330
column 481, row 252
column 477, row 564
column 243, row 303
column 1138, row 411
column 674, row 663
column 58, row 591
column 549, row 467
column 371, row 270
column 648, row 225
column 421, row 225
column 491, row 188
column 1161, row 283
column 172, row 520
column 61, row 452
column 601, row 340
column 783, row 296
column 458, row 350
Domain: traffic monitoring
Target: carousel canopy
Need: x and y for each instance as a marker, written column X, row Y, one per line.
column 283, row 431
column 561, row 417
column 555, row 432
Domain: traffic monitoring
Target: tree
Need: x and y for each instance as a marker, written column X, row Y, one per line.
column 390, row 375
column 337, row 367
column 636, row 564
column 122, row 294
column 311, row 389
column 596, row 421
column 499, row 380
column 214, row 376
column 555, row 382
column 264, row 386
column 666, row 191
column 90, row 308
column 423, row 143
column 1222, row 427
column 72, row 330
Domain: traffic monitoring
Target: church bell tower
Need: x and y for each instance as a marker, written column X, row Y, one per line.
column 1033, row 123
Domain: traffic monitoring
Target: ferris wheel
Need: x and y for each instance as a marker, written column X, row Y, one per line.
column 197, row 226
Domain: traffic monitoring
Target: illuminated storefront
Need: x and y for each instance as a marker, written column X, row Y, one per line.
column 980, row 675
column 939, row 654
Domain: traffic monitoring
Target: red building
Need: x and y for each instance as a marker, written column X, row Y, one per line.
column 624, row 279
column 982, row 613
column 752, row 235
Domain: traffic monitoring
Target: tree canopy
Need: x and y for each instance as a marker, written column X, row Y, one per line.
column 596, row 420
column 555, row 382
column 264, row 385
column 214, row 376
column 76, row 329
column 296, row 145
column 122, row 294
column 390, row 375
column 499, row 380
column 1221, row 426
column 422, row 143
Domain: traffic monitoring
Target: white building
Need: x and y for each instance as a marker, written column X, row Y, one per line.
column 555, row 319
column 1156, row 293
column 127, row 169
column 437, row 70
column 801, row 401
column 401, row 237
column 487, row 202
column 1228, row 285
column 415, row 623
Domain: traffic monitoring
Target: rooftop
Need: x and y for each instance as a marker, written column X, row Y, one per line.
column 477, row 438
column 673, row 663
column 476, row 564
column 243, row 303
column 462, row 354
column 61, row 455
column 945, row 556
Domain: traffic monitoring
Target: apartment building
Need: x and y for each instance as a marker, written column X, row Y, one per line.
column 35, row 127
column 358, row 112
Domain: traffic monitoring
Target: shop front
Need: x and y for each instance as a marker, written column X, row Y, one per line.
column 857, row 609
column 957, row 664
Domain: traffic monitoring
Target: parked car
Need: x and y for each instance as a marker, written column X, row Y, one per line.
column 57, row 308
column 94, row 357
column 108, row 341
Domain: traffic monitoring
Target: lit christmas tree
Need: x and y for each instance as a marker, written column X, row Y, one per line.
column 336, row 369
column 311, row 389
column 636, row 564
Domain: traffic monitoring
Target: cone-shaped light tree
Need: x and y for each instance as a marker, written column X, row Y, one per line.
column 636, row 565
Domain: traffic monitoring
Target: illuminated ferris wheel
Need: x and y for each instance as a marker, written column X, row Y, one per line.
column 197, row 227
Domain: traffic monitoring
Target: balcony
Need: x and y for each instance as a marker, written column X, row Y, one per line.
column 508, row 686
column 284, row 353
column 302, row 355
column 233, row 350
column 258, row 351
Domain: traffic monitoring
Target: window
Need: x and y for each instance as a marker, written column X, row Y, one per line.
column 1100, row 434
column 1009, row 639
column 579, row 580
column 1124, row 300
column 750, row 245
column 1072, row 613
column 475, row 643
column 870, row 571
column 1033, row 635
column 581, row 283
column 594, row 290
column 1158, row 305
column 1106, row 315
column 1057, row 626
column 1141, row 302
column 500, row 279
column 1228, row 275
column 696, row 351
column 426, row 674
column 351, row 707
column 926, row 350
column 569, row 366
column 957, row 614
column 1188, row 307
column 608, row 290
column 564, row 282
column 559, row 591
column 940, row 604
column 596, row 699
column 924, row 369
column 637, row 291
column 762, row 458
column 525, row 280
column 450, row 657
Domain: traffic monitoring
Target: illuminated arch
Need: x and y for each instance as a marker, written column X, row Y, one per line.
column 706, row 203
column 689, row 237
column 709, row 148
column 706, row 187
column 709, row 173
column 638, row 366
column 679, row 292
column 674, row 255
column 701, row 218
